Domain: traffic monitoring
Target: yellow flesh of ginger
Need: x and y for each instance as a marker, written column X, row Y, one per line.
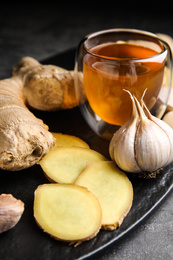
column 64, row 164
column 69, row 140
column 67, row 212
column 113, row 189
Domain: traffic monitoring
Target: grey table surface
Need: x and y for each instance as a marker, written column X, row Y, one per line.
column 43, row 30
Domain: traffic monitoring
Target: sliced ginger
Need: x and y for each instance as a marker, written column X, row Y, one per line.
column 64, row 164
column 67, row 212
column 69, row 140
column 113, row 189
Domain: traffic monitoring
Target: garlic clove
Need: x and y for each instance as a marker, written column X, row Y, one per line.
column 115, row 139
column 121, row 147
column 149, row 140
column 124, row 155
column 169, row 132
column 148, row 147
column 11, row 211
column 112, row 146
column 166, row 128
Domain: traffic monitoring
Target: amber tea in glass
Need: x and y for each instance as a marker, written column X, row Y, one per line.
column 113, row 61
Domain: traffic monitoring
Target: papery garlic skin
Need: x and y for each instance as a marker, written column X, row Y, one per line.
column 144, row 143
column 166, row 128
column 123, row 152
column 169, row 131
column 121, row 147
column 151, row 154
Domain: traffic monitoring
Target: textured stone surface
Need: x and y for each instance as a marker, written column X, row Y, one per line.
column 44, row 30
column 153, row 239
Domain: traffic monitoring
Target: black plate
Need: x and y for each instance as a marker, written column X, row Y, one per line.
column 27, row 240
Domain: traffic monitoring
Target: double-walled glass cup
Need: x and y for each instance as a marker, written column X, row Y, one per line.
column 111, row 61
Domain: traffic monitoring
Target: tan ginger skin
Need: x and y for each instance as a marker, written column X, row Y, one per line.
column 24, row 138
column 46, row 87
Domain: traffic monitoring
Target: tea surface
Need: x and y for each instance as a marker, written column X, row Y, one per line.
column 115, row 67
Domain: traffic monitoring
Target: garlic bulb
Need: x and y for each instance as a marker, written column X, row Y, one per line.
column 144, row 143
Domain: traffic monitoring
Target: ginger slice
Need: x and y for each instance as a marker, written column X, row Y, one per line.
column 64, row 164
column 113, row 189
column 67, row 212
column 69, row 140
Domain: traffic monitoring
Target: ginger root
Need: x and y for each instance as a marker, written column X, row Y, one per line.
column 11, row 211
column 24, row 138
column 46, row 87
